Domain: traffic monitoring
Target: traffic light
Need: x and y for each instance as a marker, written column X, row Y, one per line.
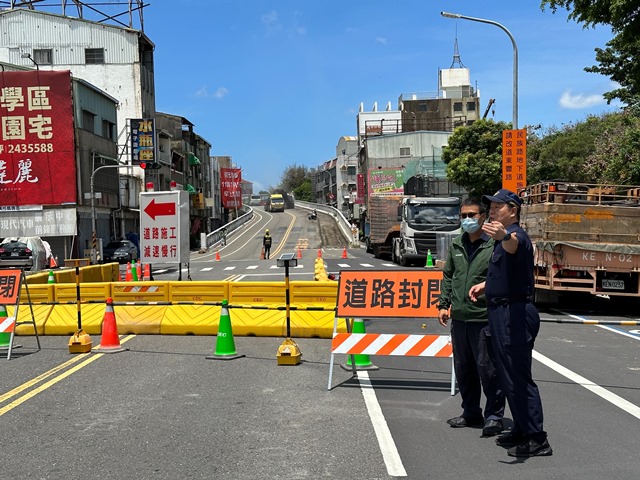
column 150, row 165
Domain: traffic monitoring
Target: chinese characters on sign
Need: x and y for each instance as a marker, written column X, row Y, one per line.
column 9, row 286
column 386, row 180
column 388, row 293
column 360, row 189
column 230, row 180
column 514, row 159
column 143, row 144
column 37, row 162
column 164, row 227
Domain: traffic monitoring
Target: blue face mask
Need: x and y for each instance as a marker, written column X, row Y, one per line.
column 470, row 225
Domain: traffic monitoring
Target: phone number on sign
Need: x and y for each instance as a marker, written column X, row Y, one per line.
column 26, row 148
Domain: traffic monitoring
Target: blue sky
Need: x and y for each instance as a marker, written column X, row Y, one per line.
column 277, row 83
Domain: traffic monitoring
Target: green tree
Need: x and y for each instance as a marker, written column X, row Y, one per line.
column 303, row 191
column 292, row 177
column 620, row 59
column 474, row 156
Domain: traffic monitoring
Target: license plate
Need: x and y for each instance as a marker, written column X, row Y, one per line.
column 15, row 254
column 613, row 284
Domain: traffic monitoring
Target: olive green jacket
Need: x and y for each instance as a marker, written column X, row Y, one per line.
column 459, row 276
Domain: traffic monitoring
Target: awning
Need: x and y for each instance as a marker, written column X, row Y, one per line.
column 193, row 160
column 189, row 188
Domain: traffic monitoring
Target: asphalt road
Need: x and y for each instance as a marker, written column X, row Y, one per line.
column 162, row 410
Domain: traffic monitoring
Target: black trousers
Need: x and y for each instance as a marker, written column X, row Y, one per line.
column 475, row 370
column 267, row 252
column 514, row 328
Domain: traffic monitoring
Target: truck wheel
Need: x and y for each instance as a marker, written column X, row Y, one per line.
column 402, row 261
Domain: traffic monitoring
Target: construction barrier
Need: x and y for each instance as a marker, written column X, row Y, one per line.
column 190, row 318
column 411, row 300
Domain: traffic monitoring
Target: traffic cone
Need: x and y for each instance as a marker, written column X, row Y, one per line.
column 5, row 337
column 139, row 270
column 110, row 341
column 319, row 253
column 147, row 271
column 344, row 253
column 363, row 362
column 53, row 262
column 51, row 280
column 299, row 253
column 262, row 254
column 225, row 346
column 429, row 263
column 128, row 276
column 217, row 256
column 134, row 272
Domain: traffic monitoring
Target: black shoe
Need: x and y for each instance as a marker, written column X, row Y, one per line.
column 461, row 422
column 531, row 448
column 509, row 440
column 492, row 428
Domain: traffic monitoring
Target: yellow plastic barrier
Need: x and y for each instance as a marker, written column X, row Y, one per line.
column 38, row 294
column 63, row 320
column 193, row 319
column 256, row 322
column 139, row 319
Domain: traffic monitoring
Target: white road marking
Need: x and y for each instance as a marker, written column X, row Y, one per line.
column 229, row 268
column 389, row 265
column 589, row 385
column 208, row 269
column 252, row 267
column 366, row 265
column 344, row 265
column 390, row 454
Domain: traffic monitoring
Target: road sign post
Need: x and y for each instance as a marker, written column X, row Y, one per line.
column 164, row 225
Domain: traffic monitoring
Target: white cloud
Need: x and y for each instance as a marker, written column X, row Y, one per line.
column 271, row 21
column 219, row 93
column 573, row 102
column 381, row 40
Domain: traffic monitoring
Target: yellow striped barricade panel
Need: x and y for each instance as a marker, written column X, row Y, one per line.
column 256, row 308
column 195, row 317
column 145, row 316
column 63, row 319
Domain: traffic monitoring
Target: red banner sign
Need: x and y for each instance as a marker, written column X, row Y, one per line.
column 37, row 159
column 230, row 180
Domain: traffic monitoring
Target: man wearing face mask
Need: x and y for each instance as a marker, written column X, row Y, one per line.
column 466, row 265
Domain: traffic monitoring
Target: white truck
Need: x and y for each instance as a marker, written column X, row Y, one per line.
column 405, row 227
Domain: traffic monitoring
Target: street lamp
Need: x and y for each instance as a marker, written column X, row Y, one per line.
column 515, row 57
column 28, row 55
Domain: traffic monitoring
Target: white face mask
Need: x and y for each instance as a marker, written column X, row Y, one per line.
column 470, row 225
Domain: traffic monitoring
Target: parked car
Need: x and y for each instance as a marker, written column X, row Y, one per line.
column 122, row 251
column 23, row 252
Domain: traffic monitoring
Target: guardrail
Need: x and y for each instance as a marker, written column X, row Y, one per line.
column 208, row 240
column 343, row 223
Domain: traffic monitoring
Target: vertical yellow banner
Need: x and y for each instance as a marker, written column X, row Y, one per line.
column 514, row 159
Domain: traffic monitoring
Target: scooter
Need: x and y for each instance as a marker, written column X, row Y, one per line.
column 313, row 216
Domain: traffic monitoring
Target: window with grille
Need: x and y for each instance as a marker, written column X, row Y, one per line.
column 457, row 107
column 93, row 55
column 471, row 106
column 43, row 56
column 405, row 151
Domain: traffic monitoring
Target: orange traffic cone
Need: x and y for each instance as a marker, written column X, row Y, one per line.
column 319, row 253
column 262, row 254
column 217, row 256
column 53, row 263
column 299, row 253
column 344, row 253
column 139, row 270
column 128, row 276
column 110, row 341
column 147, row 271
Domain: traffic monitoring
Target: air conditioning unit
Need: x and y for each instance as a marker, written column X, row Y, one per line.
column 344, row 185
column 343, row 167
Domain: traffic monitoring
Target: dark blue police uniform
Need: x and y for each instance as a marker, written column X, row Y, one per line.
column 514, row 323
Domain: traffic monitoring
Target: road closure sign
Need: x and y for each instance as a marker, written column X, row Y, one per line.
column 388, row 293
column 164, row 227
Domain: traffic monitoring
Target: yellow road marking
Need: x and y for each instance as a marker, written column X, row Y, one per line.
column 53, row 381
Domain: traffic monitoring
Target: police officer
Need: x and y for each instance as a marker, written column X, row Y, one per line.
column 514, row 323
column 266, row 243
